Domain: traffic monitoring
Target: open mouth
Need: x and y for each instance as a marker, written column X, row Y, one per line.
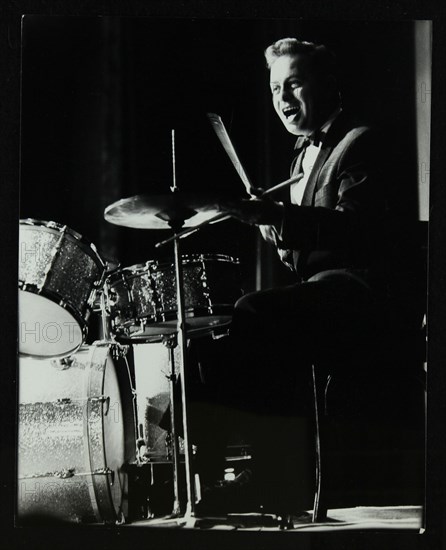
column 290, row 111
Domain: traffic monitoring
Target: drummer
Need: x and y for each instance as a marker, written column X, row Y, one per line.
column 330, row 229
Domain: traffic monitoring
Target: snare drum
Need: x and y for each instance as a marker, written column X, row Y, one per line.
column 76, row 433
column 142, row 299
column 59, row 273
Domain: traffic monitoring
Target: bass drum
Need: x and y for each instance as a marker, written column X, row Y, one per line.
column 76, row 436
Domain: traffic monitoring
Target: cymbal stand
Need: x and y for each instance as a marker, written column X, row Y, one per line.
column 105, row 321
column 182, row 345
column 170, row 342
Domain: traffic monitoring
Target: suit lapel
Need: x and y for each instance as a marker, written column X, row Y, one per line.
column 334, row 134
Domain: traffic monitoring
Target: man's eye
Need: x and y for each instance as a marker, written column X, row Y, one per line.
column 275, row 89
column 295, row 84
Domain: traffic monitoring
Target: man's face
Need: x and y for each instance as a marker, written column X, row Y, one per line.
column 298, row 97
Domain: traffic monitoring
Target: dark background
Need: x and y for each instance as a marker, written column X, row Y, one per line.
column 101, row 95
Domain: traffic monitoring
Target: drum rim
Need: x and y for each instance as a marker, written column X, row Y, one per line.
column 55, row 298
column 141, row 268
column 86, row 245
column 171, row 315
column 106, row 509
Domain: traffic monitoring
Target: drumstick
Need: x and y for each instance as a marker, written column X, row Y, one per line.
column 282, row 185
column 222, row 216
column 225, row 140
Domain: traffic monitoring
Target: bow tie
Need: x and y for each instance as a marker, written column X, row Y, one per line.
column 315, row 138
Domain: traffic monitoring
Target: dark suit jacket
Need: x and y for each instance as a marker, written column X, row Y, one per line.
column 342, row 219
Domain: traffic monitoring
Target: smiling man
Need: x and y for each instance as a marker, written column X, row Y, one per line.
column 332, row 229
column 303, row 85
column 333, row 217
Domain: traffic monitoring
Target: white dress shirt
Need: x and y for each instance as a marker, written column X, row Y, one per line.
column 310, row 154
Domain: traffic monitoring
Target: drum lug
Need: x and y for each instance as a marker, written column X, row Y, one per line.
column 205, row 286
column 63, row 401
column 112, row 298
column 101, row 399
column 64, row 363
column 105, row 472
column 107, row 405
column 170, row 341
column 119, row 351
column 92, row 296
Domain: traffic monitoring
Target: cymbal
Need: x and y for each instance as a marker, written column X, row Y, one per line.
column 161, row 211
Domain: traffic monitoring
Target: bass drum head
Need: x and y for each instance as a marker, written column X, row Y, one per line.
column 46, row 329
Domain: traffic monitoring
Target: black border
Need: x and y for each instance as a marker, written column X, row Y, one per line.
column 10, row 37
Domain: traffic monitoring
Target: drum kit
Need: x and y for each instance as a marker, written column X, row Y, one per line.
column 78, row 428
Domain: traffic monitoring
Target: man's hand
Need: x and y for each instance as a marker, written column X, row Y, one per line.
column 253, row 211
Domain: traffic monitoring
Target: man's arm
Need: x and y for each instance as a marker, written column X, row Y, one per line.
column 351, row 202
column 348, row 206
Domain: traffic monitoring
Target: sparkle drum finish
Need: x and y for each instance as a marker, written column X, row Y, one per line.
column 142, row 299
column 59, row 273
column 76, row 433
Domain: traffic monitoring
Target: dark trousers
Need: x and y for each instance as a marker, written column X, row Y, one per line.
column 259, row 378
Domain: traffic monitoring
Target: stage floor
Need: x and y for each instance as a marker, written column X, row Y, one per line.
column 400, row 518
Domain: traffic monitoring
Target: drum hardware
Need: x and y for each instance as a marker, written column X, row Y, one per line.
column 68, row 473
column 182, row 346
column 171, row 342
column 111, row 265
column 104, row 316
column 142, row 450
column 70, row 400
column 118, row 350
column 64, row 363
column 173, row 212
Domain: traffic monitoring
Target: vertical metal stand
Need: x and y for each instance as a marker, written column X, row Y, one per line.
column 319, row 507
column 182, row 344
column 171, row 343
column 106, row 334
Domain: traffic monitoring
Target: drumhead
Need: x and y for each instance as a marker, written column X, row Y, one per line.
column 46, row 329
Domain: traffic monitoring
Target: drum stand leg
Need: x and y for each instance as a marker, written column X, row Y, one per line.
column 182, row 343
column 188, row 519
column 171, row 343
